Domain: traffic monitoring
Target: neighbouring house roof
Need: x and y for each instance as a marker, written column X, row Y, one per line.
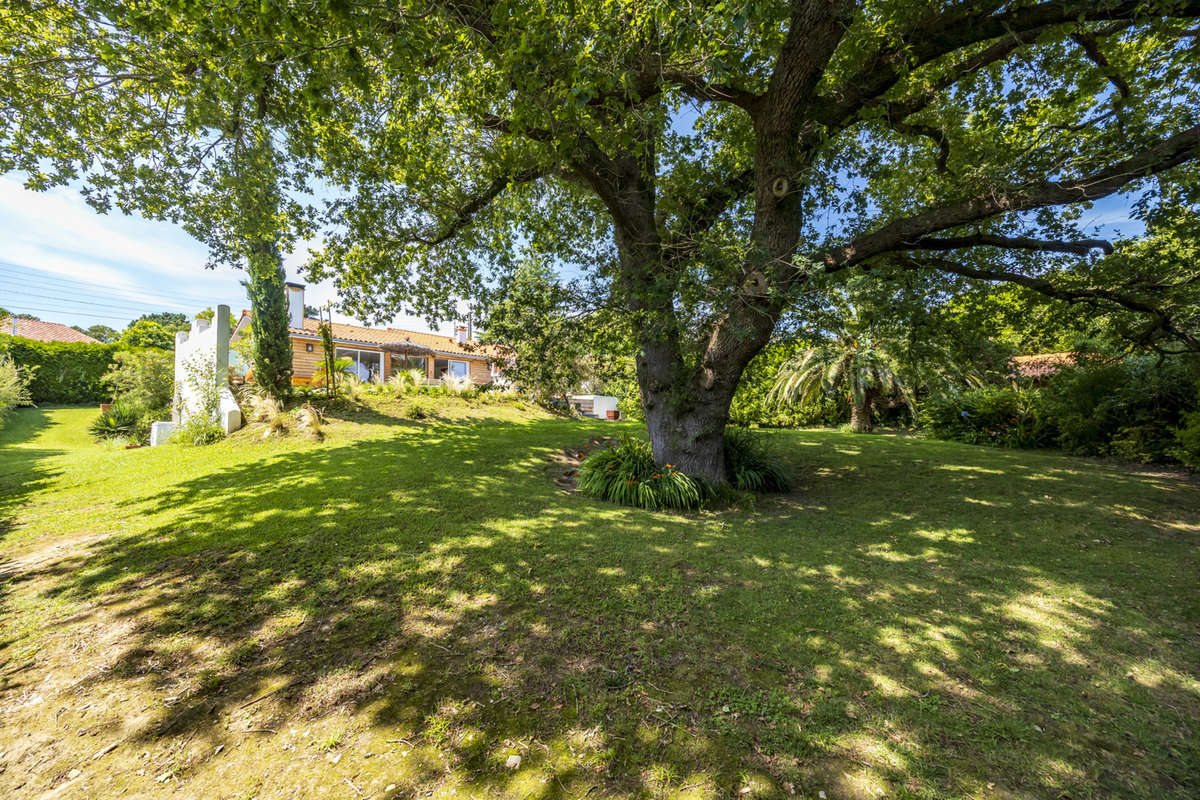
column 377, row 337
column 1040, row 365
column 43, row 331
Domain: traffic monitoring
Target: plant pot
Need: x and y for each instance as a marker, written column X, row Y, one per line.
column 132, row 446
column 104, row 407
column 612, row 414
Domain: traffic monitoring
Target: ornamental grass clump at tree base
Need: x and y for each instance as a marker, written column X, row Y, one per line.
column 626, row 474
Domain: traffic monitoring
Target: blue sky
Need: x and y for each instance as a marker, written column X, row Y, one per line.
column 61, row 261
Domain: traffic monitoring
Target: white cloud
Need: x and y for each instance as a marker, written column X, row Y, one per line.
column 137, row 260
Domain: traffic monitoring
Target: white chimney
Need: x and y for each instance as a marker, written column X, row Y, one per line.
column 461, row 333
column 295, row 296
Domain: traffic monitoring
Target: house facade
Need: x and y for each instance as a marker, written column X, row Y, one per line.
column 378, row 353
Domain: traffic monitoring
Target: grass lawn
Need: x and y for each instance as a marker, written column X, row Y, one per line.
column 413, row 609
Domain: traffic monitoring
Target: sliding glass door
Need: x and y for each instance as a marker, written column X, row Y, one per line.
column 368, row 364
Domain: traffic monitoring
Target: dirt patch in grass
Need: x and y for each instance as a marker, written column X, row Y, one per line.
column 564, row 463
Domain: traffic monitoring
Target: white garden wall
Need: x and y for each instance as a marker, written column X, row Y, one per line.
column 201, row 372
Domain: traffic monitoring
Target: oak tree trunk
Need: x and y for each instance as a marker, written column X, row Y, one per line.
column 690, row 439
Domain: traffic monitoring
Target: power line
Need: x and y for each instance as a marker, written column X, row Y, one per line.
column 90, row 315
column 41, row 274
column 108, row 302
column 73, row 307
column 152, row 298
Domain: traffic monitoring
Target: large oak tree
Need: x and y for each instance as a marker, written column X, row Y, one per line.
column 707, row 163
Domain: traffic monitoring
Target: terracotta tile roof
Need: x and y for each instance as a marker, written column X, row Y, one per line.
column 44, row 331
column 1041, row 364
column 436, row 341
column 378, row 336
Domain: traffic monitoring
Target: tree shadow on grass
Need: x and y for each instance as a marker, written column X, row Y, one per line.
column 929, row 621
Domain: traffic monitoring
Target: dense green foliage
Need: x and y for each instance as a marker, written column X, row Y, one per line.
column 531, row 320
column 626, row 474
column 144, row 377
column 101, row 333
column 173, row 321
column 63, row 372
column 997, row 415
column 1188, row 438
column 1127, row 409
column 14, row 385
column 269, row 320
column 753, row 405
column 147, row 333
column 1131, row 408
column 751, row 464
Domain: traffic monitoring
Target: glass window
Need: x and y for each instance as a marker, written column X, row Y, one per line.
column 441, row 366
column 402, row 362
column 367, row 364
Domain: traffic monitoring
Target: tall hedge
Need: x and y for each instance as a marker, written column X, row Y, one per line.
column 64, row 372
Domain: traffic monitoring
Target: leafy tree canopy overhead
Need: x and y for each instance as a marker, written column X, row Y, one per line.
column 704, row 163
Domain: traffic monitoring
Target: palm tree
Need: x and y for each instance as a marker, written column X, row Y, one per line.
column 853, row 362
column 341, row 366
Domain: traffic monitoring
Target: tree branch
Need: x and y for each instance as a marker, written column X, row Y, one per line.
column 697, row 87
column 936, row 135
column 899, row 234
column 466, row 212
column 942, row 34
column 1160, row 315
column 1079, row 248
column 815, row 30
column 1087, row 42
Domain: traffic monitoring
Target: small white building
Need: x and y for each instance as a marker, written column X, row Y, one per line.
column 596, row 406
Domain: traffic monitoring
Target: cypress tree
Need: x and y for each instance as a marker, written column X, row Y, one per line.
column 269, row 318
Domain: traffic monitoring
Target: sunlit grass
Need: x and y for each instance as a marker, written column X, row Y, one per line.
column 415, row 605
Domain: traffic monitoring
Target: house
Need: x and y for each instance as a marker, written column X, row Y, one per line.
column 377, row 353
column 43, row 331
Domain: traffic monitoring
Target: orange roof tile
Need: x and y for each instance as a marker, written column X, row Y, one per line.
column 43, row 331
column 1041, row 364
column 380, row 336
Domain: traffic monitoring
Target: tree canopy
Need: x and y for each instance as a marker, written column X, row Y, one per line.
column 704, row 165
column 101, row 333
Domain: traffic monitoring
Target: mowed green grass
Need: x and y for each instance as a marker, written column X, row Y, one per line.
column 414, row 609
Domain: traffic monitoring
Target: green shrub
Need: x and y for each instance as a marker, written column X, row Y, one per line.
column 120, row 420
column 1187, row 440
column 62, row 372
column 1129, row 409
column 14, row 386
column 627, row 474
column 752, row 405
column 198, row 431
column 418, row 409
column 1002, row 416
column 143, row 377
column 750, row 464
